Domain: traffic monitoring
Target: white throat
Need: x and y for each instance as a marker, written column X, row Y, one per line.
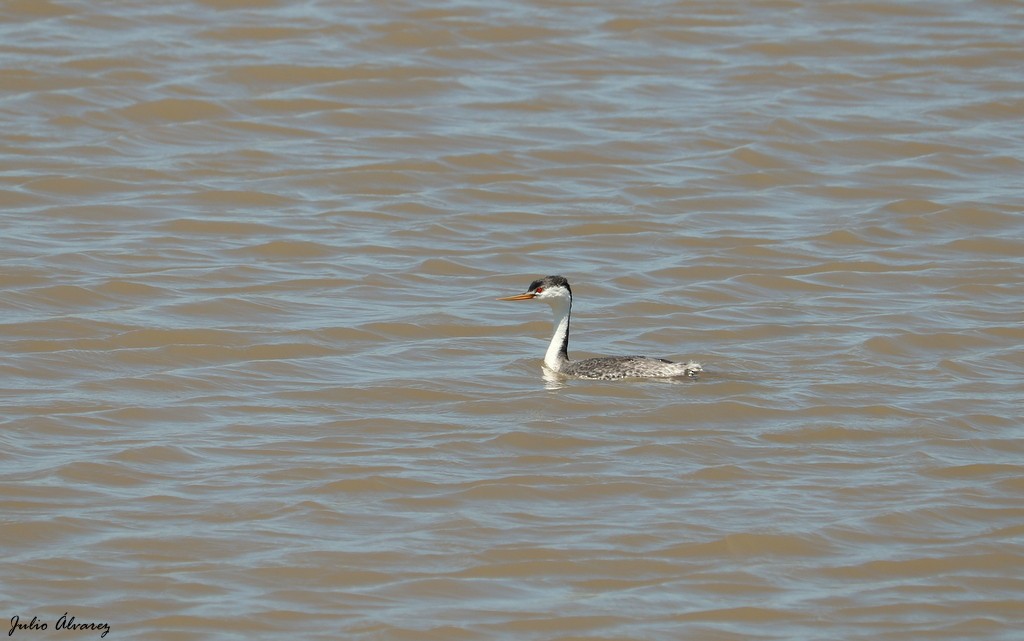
column 557, row 355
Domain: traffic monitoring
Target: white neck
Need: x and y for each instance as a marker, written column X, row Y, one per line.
column 557, row 355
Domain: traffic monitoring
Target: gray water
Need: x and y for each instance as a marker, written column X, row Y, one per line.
column 255, row 382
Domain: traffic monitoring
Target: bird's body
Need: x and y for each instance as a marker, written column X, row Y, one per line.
column 555, row 291
column 612, row 367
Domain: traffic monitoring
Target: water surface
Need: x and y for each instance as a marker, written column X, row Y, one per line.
column 255, row 382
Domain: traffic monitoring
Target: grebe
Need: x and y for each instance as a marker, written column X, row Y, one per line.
column 555, row 291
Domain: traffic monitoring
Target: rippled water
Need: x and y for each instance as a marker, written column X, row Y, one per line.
column 255, row 381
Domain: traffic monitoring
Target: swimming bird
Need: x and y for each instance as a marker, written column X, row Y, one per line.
column 555, row 291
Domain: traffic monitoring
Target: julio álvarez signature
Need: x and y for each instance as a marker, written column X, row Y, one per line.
column 66, row 622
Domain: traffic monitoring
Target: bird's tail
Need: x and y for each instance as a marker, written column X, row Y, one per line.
column 692, row 369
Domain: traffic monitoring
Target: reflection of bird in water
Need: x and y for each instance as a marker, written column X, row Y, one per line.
column 555, row 291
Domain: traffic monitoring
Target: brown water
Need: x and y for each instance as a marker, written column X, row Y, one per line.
column 254, row 381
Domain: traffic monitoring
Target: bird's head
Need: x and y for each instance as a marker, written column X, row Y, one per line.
column 550, row 289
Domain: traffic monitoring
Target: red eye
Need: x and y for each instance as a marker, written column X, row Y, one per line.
column 538, row 290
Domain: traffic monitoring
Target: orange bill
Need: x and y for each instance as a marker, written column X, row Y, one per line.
column 526, row 296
